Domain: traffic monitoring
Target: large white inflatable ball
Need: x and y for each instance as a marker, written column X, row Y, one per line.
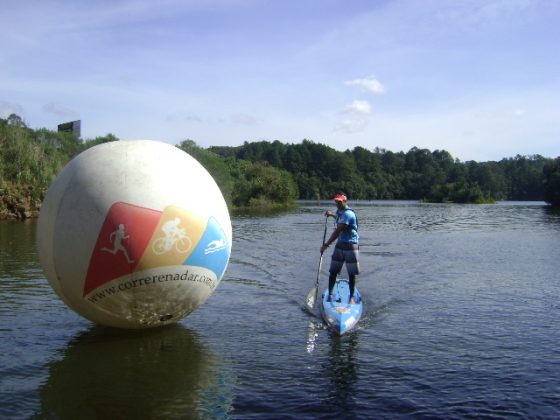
column 134, row 234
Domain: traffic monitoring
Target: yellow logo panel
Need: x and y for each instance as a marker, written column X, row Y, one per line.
column 174, row 239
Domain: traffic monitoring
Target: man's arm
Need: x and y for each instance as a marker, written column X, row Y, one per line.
column 333, row 237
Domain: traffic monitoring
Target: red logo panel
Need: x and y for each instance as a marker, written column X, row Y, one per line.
column 123, row 238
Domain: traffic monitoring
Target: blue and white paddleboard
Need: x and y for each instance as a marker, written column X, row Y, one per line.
column 339, row 315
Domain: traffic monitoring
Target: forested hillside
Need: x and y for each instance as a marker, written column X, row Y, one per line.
column 418, row 174
column 274, row 174
column 31, row 159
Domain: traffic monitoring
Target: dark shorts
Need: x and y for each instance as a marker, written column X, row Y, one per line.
column 345, row 253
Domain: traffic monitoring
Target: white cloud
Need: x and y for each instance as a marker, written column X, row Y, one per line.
column 369, row 84
column 358, row 107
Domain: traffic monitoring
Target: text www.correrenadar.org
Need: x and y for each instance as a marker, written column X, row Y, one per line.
column 144, row 281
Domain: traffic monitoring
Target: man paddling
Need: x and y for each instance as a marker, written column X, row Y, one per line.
column 346, row 249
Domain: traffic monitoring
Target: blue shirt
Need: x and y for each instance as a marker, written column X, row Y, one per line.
column 348, row 217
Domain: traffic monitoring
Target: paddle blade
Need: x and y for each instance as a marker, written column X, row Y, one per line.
column 312, row 297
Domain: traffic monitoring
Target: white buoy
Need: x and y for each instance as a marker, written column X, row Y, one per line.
column 134, row 234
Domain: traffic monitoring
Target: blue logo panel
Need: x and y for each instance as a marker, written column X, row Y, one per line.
column 212, row 251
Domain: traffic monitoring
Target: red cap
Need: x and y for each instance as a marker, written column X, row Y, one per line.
column 340, row 197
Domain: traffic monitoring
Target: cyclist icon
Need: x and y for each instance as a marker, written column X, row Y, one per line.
column 116, row 238
column 174, row 236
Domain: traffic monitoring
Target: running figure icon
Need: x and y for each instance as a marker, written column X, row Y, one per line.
column 116, row 238
column 174, row 236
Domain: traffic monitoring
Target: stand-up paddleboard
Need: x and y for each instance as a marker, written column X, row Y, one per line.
column 339, row 315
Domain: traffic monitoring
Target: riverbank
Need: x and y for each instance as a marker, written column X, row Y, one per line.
column 16, row 205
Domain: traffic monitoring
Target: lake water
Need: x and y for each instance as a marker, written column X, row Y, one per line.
column 462, row 319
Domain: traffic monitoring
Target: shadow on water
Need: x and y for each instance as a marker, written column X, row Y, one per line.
column 159, row 373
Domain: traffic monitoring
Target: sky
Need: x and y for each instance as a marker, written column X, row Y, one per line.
column 478, row 78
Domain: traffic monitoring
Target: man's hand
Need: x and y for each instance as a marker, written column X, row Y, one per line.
column 329, row 213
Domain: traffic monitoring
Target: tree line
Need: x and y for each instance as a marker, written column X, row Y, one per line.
column 419, row 174
column 274, row 174
column 30, row 160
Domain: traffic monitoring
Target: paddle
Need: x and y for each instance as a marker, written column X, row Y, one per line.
column 312, row 295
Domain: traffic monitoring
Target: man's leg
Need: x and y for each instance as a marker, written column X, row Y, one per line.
column 337, row 260
column 353, row 266
column 352, row 284
column 332, row 281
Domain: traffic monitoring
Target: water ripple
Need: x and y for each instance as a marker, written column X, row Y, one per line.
column 460, row 321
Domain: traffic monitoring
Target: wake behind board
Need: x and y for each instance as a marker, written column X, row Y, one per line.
column 339, row 315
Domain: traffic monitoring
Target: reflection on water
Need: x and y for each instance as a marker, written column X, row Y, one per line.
column 160, row 373
column 17, row 246
column 552, row 215
column 342, row 372
column 313, row 335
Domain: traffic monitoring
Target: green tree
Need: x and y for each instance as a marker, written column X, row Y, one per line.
column 551, row 172
column 100, row 140
column 524, row 177
column 261, row 185
column 16, row 121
